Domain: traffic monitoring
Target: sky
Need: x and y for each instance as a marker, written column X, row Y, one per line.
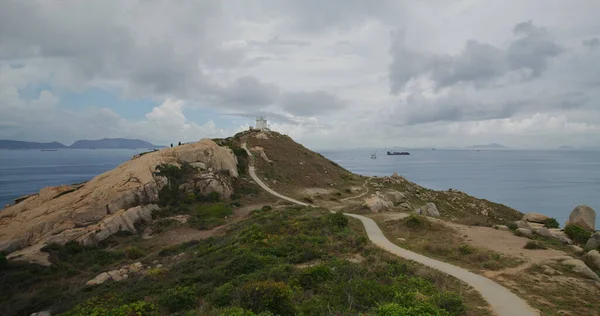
column 331, row 74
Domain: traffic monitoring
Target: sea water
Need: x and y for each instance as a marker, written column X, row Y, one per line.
column 548, row 182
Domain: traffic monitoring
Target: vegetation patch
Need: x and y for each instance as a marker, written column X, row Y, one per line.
column 252, row 270
column 534, row 244
column 577, row 234
column 551, row 223
column 209, row 216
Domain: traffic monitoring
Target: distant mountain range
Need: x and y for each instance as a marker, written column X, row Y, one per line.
column 489, row 146
column 105, row 143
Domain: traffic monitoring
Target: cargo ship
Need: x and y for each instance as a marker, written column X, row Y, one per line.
column 395, row 153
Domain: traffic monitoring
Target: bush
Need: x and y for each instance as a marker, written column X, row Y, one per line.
column 3, row 261
column 336, row 220
column 134, row 252
column 551, row 223
column 534, row 244
column 416, row 221
column 266, row 208
column 102, row 307
column 271, row 296
column 178, row 299
column 348, row 191
column 209, row 216
column 422, row 309
column 512, row 226
column 311, row 277
column 577, row 234
column 466, row 249
column 450, row 302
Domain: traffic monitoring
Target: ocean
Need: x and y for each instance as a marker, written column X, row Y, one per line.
column 547, row 182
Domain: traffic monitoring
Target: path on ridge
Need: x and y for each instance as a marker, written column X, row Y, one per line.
column 502, row 300
column 360, row 195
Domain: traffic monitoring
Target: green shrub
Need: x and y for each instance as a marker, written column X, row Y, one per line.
column 209, row 216
column 416, row 221
column 534, row 244
column 100, row 307
column 336, row 220
column 466, row 249
column 450, row 302
column 313, row 276
column 162, row 225
column 3, row 261
column 178, row 299
column 422, row 309
column 271, row 296
column 512, row 226
column 223, row 295
column 348, row 191
column 266, row 208
column 135, row 252
column 551, row 223
column 577, row 234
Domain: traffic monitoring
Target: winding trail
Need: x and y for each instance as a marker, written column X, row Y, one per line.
column 360, row 195
column 502, row 300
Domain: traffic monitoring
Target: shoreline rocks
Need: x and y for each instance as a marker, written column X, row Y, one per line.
column 535, row 218
column 584, row 217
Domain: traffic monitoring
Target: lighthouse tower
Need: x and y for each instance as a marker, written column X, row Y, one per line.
column 261, row 124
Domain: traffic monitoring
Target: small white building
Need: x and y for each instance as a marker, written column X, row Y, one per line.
column 261, row 124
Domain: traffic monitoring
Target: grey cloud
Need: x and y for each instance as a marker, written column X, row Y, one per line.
column 478, row 63
column 592, row 42
column 311, row 103
column 276, row 41
column 248, row 92
column 271, row 116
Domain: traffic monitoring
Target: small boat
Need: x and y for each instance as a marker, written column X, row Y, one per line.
column 49, row 149
column 373, row 156
column 395, row 153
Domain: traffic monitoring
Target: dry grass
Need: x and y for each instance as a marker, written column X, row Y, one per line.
column 565, row 294
column 436, row 240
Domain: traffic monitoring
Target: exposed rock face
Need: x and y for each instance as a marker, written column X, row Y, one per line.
column 107, row 203
column 501, row 227
column 594, row 241
column 593, row 259
column 395, row 196
column 542, row 231
column 583, row 216
column 430, row 210
column 377, row 203
column 524, row 232
column 522, row 224
column 535, row 217
column 117, row 275
column 580, row 267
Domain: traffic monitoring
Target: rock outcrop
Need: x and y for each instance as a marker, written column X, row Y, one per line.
column 117, row 275
column 583, row 216
column 429, row 210
column 592, row 258
column 524, row 232
column 543, row 231
column 593, row 242
column 579, row 267
column 535, row 217
column 110, row 202
column 522, row 224
column 377, row 203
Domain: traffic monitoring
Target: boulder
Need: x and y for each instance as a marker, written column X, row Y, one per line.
column 593, row 242
column 42, row 313
column 524, row 232
column 395, row 175
column 99, row 279
column 543, row 231
column 592, row 258
column 98, row 208
column 583, row 216
column 522, row 224
column 535, row 217
column 430, row 210
column 564, row 239
column 581, row 268
column 377, row 203
column 576, row 249
column 501, row 227
column 395, row 196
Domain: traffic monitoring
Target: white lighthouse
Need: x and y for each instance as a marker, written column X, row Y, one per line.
column 261, row 124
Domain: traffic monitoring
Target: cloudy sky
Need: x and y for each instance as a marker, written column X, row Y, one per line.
column 337, row 73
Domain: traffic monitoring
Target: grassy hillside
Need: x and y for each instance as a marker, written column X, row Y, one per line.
column 287, row 262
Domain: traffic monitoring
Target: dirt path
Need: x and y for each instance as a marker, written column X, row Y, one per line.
column 502, row 301
column 362, row 194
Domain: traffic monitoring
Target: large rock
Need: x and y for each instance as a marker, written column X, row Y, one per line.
column 543, row 231
column 581, row 268
column 522, row 224
column 430, row 210
column 524, row 232
column 583, row 216
column 592, row 258
column 395, row 196
column 535, row 217
column 92, row 211
column 593, row 242
column 377, row 203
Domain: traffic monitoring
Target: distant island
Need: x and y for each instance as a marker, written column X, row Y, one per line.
column 105, row 143
column 489, row 146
